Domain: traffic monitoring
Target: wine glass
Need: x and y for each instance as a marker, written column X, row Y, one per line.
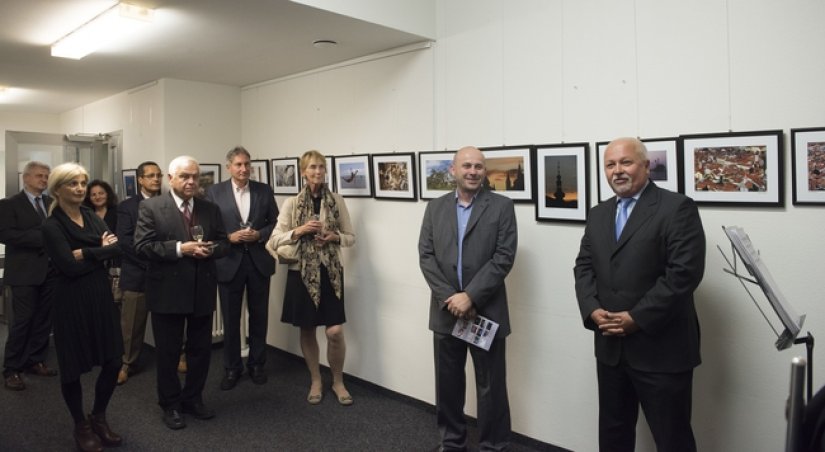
column 197, row 232
column 246, row 224
column 320, row 233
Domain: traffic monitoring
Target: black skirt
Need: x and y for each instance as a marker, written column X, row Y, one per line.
column 299, row 309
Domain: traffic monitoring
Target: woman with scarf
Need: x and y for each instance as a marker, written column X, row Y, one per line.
column 317, row 222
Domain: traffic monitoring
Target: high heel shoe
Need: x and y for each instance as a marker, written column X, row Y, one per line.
column 343, row 399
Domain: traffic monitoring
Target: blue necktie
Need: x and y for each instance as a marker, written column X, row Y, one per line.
column 621, row 217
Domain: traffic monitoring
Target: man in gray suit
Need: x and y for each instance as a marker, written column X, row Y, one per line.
column 641, row 258
column 467, row 246
column 249, row 214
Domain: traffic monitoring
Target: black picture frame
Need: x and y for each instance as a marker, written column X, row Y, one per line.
column 259, row 171
column 509, row 171
column 210, row 174
column 130, row 183
column 808, row 165
column 286, row 176
column 736, row 168
column 353, row 176
column 394, row 176
column 435, row 179
column 665, row 166
column 562, row 181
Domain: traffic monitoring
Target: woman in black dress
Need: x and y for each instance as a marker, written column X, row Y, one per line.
column 86, row 321
column 318, row 223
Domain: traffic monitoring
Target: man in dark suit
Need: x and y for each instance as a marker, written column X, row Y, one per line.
column 181, row 286
column 25, row 273
column 641, row 258
column 467, row 246
column 133, row 310
column 249, row 214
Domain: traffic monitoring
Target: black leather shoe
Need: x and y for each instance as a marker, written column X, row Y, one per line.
column 173, row 419
column 230, row 379
column 257, row 374
column 198, row 410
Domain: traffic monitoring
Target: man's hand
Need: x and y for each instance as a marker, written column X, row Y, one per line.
column 198, row 250
column 244, row 236
column 614, row 323
column 460, row 305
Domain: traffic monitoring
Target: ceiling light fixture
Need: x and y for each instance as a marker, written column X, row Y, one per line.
column 115, row 21
column 324, row 44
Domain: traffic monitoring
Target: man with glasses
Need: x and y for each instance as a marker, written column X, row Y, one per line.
column 133, row 311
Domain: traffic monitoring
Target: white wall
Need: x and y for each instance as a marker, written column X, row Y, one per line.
column 538, row 71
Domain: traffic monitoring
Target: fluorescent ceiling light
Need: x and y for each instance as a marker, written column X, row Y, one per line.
column 114, row 22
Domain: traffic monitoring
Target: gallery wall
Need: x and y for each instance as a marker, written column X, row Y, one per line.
column 533, row 72
column 508, row 73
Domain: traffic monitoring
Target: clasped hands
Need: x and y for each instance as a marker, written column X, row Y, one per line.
column 460, row 305
column 316, row 228
column 614, row 323
column 245, row 235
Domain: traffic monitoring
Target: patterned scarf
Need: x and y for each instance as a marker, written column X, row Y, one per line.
column 312, row 256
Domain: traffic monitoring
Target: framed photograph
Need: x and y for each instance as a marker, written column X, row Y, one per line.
column 330, row 162
column 742, row 168
column 210, row 175
column 808, row 165
column 435, row 179
column 562, row 181
column 665, row 165
column 130, row 184
column 394, row 176
column 286, row 178
column 353, row 177
column 509, row 172
column 259, row 171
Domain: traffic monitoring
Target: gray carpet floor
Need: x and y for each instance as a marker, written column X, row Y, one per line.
column 270, row 417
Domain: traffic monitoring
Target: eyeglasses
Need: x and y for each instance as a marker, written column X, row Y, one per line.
column 153, row 176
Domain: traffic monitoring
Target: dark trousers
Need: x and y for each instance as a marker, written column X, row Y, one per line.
column 168, row 331
column 491, row 390
column 31, row 324
column 257, row 300
column 665, row 399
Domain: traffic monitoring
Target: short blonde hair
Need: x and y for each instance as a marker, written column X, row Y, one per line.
column 310, row 156
column 61, row 175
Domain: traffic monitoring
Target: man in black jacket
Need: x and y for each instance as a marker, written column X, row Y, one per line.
column 26, row 273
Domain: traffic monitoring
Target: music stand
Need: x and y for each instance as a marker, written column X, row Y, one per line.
column 759, row 275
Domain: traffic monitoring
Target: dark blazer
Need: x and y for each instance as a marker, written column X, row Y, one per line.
column 651, row 272
column 263, row 213
column 489, row 250
column 132, row 266
column 26, row 260
column 178, row 285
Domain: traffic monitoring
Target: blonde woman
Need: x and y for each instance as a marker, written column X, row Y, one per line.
column 86, row 320
column 317, row 222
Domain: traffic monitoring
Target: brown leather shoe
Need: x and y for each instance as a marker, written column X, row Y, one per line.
column 14, row 382
column 101, row 427
column 40, row 369
column 86, row 439
column 122, row 376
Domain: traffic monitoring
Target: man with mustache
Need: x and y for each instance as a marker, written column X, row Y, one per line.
column 467, row 247
column 641, row 258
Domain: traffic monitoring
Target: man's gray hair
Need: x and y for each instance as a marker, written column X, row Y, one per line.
column 179, row 162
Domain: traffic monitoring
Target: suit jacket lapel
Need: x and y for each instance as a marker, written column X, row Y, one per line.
column 479, row 206
column 170, row 209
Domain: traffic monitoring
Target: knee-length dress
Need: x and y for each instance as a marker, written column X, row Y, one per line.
column 86, row 321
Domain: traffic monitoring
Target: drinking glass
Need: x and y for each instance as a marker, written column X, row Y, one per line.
column 197, row 232
column 246, row 224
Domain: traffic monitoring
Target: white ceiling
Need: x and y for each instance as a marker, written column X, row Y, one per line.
column 231, row 42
